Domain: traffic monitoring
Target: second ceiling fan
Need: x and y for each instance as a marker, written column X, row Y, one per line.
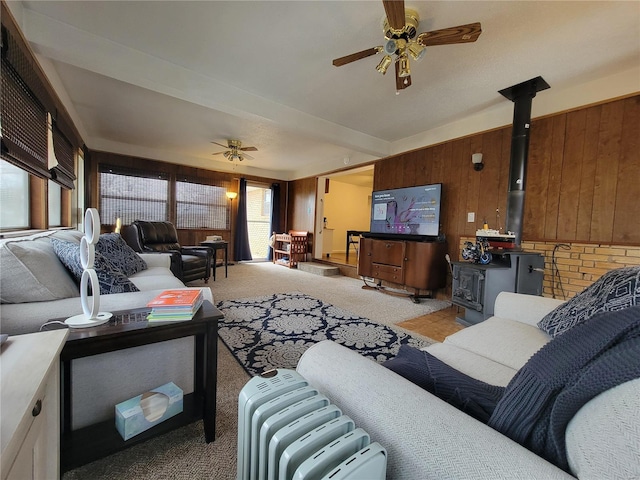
column 236, row 151
column 400, row 28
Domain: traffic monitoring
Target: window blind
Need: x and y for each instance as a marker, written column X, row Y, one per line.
column 201, row 205
column 23, row 126
column 130, row 195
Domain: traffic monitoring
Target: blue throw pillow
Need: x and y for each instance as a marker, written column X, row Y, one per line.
column 111, row 279
column 615, row 290
column 120, row 254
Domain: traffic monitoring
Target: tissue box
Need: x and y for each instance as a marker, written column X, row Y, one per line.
column 140, row 413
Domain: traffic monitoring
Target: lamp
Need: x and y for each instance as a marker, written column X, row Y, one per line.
column 476, row 159
column 404, row 66
column 91, row 315
column 390, row 47
column 384, row 64
column 231, row 196
column 416, row 51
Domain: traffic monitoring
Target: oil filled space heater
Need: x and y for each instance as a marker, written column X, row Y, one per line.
column 289, row 430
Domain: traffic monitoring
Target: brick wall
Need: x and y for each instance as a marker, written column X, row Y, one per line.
column 579, row 266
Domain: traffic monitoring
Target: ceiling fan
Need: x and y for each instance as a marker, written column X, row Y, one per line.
column 400, row 27
column 236, row 151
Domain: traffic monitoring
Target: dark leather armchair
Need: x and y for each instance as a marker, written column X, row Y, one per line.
column 187, row 262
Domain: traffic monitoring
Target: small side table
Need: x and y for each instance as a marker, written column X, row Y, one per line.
column 128, row 329
column 215, row 246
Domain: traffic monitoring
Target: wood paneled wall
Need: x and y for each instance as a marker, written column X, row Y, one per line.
column 582, row 185
column 186, row 237
column 301, row 203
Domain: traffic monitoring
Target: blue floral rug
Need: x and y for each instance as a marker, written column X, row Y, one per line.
column 274, row 330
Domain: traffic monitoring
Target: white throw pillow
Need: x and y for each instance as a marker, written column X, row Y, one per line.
column 31, row 272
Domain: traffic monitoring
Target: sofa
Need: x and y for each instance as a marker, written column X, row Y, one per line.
column 427, row 438
column 35, row 287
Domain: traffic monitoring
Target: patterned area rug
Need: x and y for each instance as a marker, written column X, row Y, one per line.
column 274, row 330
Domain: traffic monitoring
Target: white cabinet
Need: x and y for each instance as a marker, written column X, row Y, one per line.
column 30, row 399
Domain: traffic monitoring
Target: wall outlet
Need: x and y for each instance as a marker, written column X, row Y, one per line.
column 471, row 217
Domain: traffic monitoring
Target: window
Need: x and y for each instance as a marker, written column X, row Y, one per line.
column 266, row 203
column 14, row 197
column 38, row 138
column 201, row 206
column 130, row 195
column 54, row 192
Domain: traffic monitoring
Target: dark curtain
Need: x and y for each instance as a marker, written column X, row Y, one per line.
column 275, row 214
column 241, row 238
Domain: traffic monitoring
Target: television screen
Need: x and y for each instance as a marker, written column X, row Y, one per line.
column 411, row 211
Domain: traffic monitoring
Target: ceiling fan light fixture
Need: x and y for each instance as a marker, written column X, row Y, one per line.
column 416, row 51
column 384, row 64
column 405, row 71
column 390, row 47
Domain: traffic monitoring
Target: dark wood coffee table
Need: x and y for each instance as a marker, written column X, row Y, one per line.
column 129, row 329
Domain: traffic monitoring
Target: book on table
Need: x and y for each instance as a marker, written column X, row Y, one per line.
column 175, row 305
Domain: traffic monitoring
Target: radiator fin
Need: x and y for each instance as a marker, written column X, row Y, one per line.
column 287, row 429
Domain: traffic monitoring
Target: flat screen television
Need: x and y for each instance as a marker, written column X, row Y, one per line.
column 409, row 212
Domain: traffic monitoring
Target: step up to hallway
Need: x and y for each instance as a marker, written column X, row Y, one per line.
column 318, row 269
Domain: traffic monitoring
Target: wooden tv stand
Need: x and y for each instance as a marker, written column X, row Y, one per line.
column 412, row 264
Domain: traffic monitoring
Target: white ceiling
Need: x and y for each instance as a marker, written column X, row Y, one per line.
column 163, row 79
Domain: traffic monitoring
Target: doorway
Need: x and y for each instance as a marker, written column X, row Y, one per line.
column 259, row 219
column 343, row 204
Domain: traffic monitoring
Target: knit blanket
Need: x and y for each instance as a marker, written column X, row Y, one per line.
column 535, row 408
column 542, row 398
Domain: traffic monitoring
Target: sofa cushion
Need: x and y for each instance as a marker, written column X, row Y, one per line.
column 154, row 278
column 615, row 290
column 73, row 236
column 115, row 249
column 31, row 272
column 504, row 341
column 472, row 364
column 111, row 279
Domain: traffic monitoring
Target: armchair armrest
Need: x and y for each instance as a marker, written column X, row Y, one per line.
column 425, row 437
column 529, row 309
column 196, row 250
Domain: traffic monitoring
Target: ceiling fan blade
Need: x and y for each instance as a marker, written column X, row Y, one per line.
column 460, row 34
column 223, row 146
column 400, row 85
column 246, row 155
column 338, row 62
column 395, row 13
column 219, row 153
column 249, row 149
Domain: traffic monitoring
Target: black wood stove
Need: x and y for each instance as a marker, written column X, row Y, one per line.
column 475, row 287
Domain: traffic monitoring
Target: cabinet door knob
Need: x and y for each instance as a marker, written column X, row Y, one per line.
column 37, row 408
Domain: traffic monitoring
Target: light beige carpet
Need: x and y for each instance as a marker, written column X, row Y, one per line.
column 255, row 279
